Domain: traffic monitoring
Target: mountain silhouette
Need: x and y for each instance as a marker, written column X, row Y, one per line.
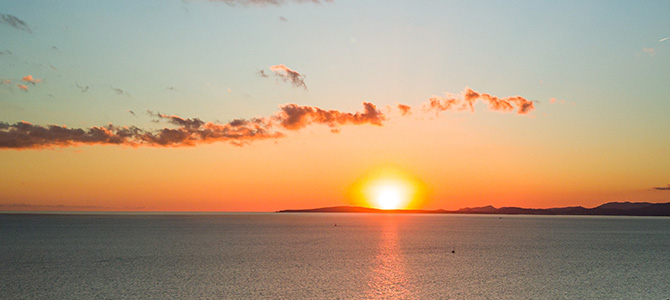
column 607, row 209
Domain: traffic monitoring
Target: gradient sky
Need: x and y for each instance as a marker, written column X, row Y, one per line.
column 597, row 73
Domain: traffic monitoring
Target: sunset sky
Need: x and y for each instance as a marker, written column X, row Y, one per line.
column 262, row 105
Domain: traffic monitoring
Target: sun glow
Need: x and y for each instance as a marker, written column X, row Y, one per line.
column 389, row 188
column 389, row 195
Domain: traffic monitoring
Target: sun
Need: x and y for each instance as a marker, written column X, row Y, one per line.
column 389, row 195
column 389, row 188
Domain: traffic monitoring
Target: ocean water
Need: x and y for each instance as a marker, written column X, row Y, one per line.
column 333, row 256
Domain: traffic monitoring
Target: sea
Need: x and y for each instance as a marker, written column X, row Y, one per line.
column 332, row 256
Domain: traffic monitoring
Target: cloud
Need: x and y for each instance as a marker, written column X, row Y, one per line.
column 120, row 91
column 286, row 74
column 30, row 79
column 295, row 117
column 282, row 19
column 468, row 98
column 405, row 109
column 194, row 131
column 649, row 50
column 267, row 2
column 23, row 87
column 14, row 22
column 188, row 132
column 667, row 188
column 664, row 39
column 5, row 81
column 26, row 135
column 82, row 88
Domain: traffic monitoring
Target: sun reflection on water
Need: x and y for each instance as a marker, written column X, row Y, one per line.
column 388, row 279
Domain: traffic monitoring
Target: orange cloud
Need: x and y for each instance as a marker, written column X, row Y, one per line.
column 404, row 109
column 30, row 79
column 193, row 131
column 294, row 117
column 469, row 97
column 23, row 87
column 189, row 132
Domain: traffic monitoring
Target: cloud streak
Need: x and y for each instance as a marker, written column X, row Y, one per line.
column 468, row 98
column 193, row 131
column 294, row 117
column 288, row 75
column 118, row 91
column 15, row 22
column 667, row 188
column 188, row 132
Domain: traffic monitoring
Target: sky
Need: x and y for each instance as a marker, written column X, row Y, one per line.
column 263, row 105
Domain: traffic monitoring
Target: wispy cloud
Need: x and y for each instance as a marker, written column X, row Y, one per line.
column 667, row 188
column 287, row 74
column 81, row 88
column 468, row 98
column 120, row 91
column 14, row 22
column 649, row 50
column 664, row 39
column 194, row 131
column 22, row 87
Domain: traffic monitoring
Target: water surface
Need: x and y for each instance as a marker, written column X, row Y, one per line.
column 321, row 255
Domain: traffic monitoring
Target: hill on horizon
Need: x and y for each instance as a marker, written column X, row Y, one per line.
column 608, row 209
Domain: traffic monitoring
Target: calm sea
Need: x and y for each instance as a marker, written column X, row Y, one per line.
column 333, row 256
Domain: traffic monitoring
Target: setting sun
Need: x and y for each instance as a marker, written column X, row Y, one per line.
column 389, row 195
column 389, row 188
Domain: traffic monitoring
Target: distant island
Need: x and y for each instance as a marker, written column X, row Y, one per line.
column 607, row 209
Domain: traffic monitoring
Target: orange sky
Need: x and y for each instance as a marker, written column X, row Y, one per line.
column 210, row 106
column 316, row 168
